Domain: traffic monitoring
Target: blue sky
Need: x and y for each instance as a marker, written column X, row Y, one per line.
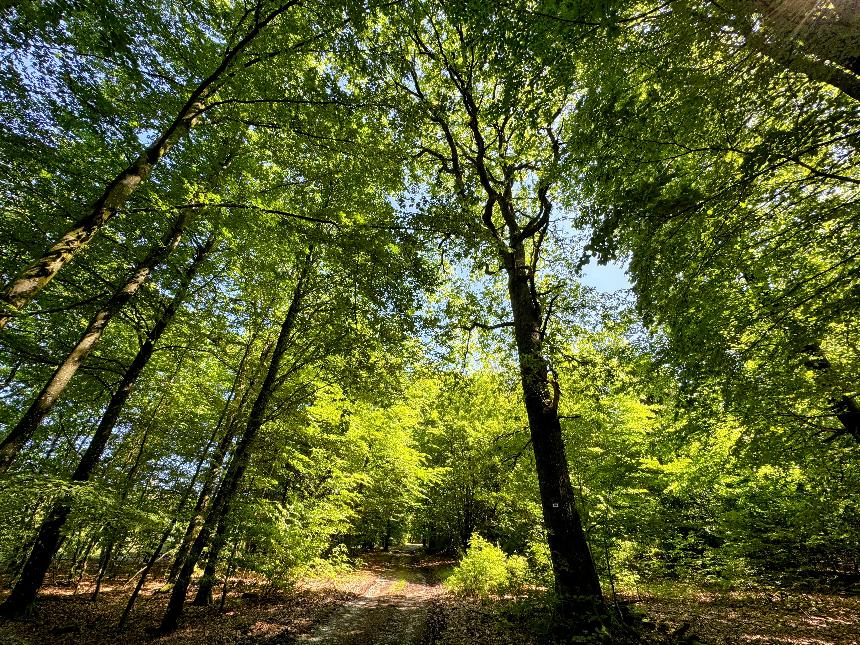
column 606, row 278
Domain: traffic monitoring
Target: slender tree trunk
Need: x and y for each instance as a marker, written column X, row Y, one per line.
column 23, row 288
column 207, row 582
column 199, row 512
column 164, row 537
column 85, row 561
column 12, row 445
column 48, row 539
column 576, row 581
column 104, row 562
column 848, row 413
column 239, row 460
column 843, row 406
column 231, row 569
column 229, row 418
column 111, row 531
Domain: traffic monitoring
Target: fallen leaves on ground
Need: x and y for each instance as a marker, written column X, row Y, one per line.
column 257, row 615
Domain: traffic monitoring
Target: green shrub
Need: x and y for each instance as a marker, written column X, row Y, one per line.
column 519, row 573
column 482, row 572
column 486, row 570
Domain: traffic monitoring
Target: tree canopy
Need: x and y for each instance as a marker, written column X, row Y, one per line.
column 288, row 282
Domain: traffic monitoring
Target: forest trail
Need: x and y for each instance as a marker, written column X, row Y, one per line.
column 393, row 607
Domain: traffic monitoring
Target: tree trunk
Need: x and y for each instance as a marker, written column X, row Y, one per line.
column 23, row 288
column 239, row 460
column 848, row 413
column 207, row 582
column 198, row 515
column 48, row 539
column 576, row 582
column 12, row 445
column 164, row 537
column 386, row 540
column 104, row 562
column 843, row 406
column 216, row 463
column 231, row 569
column 85, row 560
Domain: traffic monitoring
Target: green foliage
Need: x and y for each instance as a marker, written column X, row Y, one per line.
column 707, row 417
column 485, row 570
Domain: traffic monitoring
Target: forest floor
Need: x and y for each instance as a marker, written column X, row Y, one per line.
column 398, row 599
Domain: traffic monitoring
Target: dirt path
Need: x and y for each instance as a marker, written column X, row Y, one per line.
column 392, row 609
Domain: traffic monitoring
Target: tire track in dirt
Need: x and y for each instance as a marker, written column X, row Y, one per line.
column 393, row 610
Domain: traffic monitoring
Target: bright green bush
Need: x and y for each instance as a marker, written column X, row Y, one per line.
column 483, row 571
column 519, row 573
column 486, row 570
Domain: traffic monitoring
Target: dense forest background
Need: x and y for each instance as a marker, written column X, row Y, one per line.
column 289, row 282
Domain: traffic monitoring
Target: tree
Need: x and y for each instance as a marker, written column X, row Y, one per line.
column 734, row 206
column 251, row 23
column 48, row 539
column 494, row 110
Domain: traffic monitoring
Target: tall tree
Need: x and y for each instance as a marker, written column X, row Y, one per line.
column 494, row 112
column 48, row 539
column 735, row 203
column 246, row 28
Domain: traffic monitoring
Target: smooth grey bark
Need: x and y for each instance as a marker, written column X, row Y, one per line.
column 14, row 442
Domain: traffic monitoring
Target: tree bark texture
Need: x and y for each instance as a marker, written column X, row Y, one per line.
column 576, row 581
column 14, row 442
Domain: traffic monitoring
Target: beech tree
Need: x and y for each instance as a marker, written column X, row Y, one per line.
column 493, row 114
column 232, row 51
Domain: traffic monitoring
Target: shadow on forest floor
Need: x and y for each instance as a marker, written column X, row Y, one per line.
column 762, row 617
column 397, row 599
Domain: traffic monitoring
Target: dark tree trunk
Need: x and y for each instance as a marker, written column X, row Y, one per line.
column 104, row 562
column 843, row 406
column 48, row 539
column 207, row 582
column 231, row 569
column 386, row 541
column 576, row 581
column 14, row 442
column 23, row 288
column 85, row 560
column 239, row 460
column 198, row 515
column 848, row 413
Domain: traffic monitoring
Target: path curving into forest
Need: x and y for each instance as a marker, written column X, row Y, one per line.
column 394, row 607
